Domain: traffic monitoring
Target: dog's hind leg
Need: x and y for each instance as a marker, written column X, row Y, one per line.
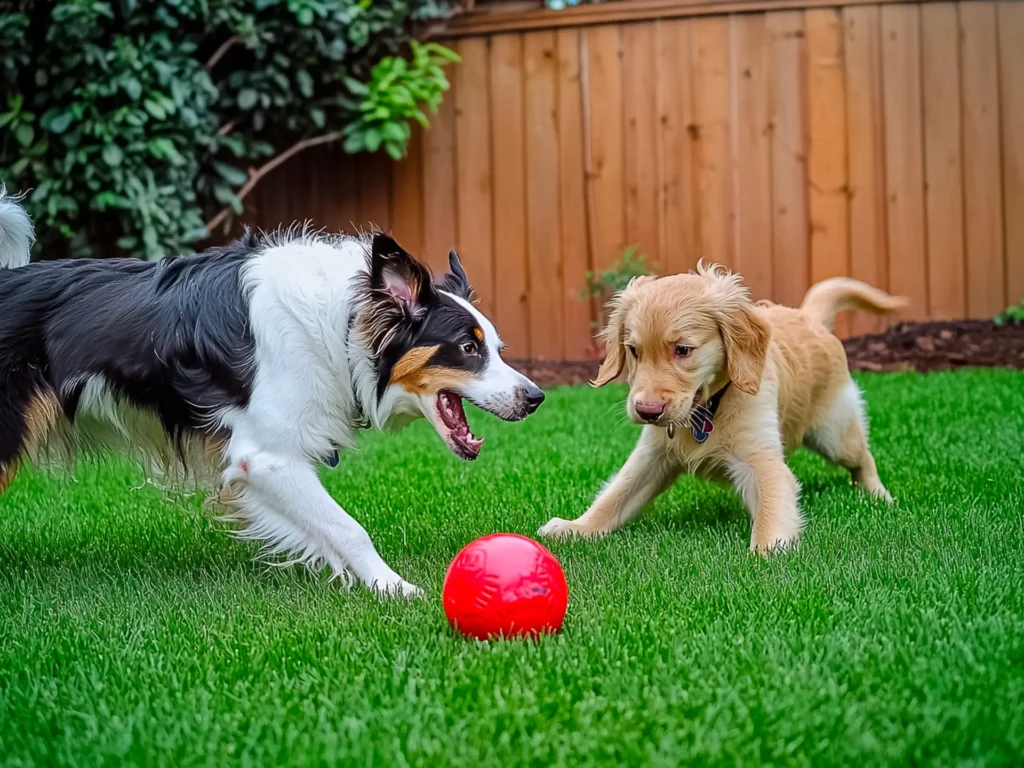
column 843, row 439
column 26, row 421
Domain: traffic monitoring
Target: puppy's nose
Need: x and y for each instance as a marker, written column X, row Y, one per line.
column 649, row 411
column 533, row 397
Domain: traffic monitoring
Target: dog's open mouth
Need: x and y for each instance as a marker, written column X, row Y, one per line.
column 454, row 428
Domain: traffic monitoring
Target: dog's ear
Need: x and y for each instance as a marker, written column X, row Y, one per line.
column 456, row 281
column 397, row 278
column 745, row 335
column 614, row 333
column 746, row 338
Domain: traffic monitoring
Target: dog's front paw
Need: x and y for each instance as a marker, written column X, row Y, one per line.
column 560, row 530
column 390, row 589
column 768, row 545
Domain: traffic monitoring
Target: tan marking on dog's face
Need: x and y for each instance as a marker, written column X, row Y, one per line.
column 479, row 333
column 433, row 379
column 41, row 417
column 412, row 361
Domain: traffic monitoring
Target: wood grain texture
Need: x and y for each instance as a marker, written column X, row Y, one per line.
column 375, row 191
column 790, row 241
column 572, row 189
column 1011, row 78
column 604, row 99
column 544, row 243
column 943, row 164
column 752, row 148
column 901, row 56
column 713, row 149
column 679, row 243
column 407, row 197
column 983, row 191
column 509, row 161
column 473, row 167
column 440, row 219
column 828, row 205
column 639, row 101
column 866, row 150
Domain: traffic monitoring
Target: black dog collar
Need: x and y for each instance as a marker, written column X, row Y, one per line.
column 702, row 416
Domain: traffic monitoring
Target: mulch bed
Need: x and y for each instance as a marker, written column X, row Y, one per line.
column 904, row 347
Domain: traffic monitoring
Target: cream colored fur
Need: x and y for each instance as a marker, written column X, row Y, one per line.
column 790, row 387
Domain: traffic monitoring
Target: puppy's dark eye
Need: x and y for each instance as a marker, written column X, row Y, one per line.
column 683, row 351
column 632, row 350
column 468, row 348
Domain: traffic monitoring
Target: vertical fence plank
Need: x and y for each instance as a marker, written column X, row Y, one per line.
column 711, row 99
column 639, row 79
column 474, row 182
column 679, row 232
column 983, row 200
column 944, row 201
column 828, row 204
column 542, row 196
column 572, row 181
column 752, row 149
column 340, row 212
column 439, row 205
column 866, row 151
column 1011, row 78
column 375, row 191
column 604, row 84
column 509, row 192
column 901, row 54
column 790, row 242
column 407, row 197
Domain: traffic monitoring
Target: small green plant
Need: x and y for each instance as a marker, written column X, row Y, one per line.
column 1012, row 315
column 603, row 285
column 394, row 96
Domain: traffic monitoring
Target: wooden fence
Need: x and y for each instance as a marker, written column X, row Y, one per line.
column 880, row 141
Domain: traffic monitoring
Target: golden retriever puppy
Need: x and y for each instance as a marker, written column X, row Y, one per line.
column 725, row 388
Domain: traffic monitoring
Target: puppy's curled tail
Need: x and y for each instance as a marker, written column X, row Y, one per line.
column 16, row 232
column 828, row 298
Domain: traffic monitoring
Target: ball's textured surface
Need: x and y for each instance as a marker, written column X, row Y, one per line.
column 505, row 585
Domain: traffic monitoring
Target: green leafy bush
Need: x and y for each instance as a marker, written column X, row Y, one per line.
column 603, row 285
column 1012, row 315
column 134, row 123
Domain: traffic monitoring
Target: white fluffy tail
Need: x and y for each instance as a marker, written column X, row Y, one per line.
column 16, row 232
column 826, row 299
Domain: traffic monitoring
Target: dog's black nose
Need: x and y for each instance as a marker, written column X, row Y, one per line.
column 534, row 397
column 649, row 411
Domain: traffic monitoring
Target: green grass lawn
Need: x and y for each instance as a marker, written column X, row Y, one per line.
column 134, row 631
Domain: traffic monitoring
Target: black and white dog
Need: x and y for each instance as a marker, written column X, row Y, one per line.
column 240, row 369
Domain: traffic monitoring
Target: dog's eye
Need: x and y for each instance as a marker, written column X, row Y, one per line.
column 683, row 351
column 468, row 348
column 632, row 350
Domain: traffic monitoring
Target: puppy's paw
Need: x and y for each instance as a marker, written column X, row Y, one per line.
column 560, row 530
column 397, row 588
column 881, row 493
column 772, row 545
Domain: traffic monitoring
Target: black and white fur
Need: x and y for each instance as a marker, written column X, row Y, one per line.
column 242, row 368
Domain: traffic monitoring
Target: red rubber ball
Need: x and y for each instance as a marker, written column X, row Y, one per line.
column 505, row 585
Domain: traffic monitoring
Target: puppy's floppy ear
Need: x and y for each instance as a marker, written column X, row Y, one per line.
column 398, row 279
column 746, row 338
column 614, row 333
column 456, row 281
column 745, row 335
